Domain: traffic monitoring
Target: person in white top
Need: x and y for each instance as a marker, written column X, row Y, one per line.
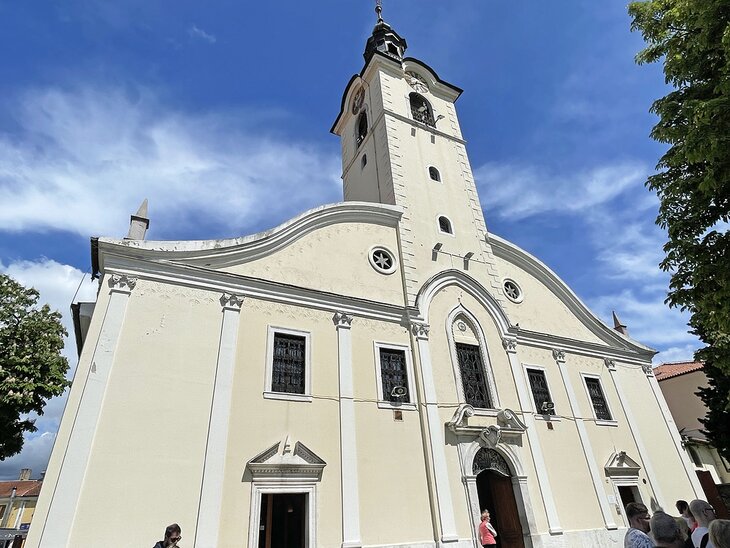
column 636, row 536
column 704, row 513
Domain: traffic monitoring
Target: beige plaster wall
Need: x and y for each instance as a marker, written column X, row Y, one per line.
column 538, row 298
column 152, row 430
column 686, row 407
column 333, row 259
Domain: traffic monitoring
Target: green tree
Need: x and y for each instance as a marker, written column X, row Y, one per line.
column 692, row 39
column 32, row 368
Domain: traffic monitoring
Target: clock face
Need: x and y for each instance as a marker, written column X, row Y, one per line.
column 358, row 100
column 417, row 82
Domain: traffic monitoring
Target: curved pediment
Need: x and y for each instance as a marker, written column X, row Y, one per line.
column 224, row 252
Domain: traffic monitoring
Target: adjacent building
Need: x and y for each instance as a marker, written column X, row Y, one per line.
column 18, row 500
column 370, row 373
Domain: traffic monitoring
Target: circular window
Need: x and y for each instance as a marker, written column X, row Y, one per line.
column 512, row 290
column 382, row 260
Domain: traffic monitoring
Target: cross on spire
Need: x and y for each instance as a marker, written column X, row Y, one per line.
column 379, row 10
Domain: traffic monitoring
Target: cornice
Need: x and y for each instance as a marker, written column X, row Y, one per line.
column 221, row 253
column 517, row 256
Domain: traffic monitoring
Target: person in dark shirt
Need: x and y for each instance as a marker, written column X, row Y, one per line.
column 173, row 535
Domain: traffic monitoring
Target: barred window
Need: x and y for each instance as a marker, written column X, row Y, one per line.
column 394, row 375
column 288, row 371
column 445, row 225
column 472, row 376
column 540, row 392
column 600, row 407
column 362, row 128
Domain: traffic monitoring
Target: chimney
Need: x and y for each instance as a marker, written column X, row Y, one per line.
column 25, row 474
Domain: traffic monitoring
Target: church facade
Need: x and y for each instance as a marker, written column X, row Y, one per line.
column 371, row 373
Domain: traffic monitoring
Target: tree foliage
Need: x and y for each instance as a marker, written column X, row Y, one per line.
column 692, row 38
column 32, row 368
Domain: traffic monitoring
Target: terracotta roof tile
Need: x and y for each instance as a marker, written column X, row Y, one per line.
column 30, row 488
column 674, row 369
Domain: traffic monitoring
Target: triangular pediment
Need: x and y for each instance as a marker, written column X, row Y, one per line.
column 281, row 461
column 620, row 464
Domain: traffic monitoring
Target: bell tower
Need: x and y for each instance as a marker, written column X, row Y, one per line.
column 402, row 145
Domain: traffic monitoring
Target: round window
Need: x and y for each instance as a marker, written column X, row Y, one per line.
column 512, row 290
column 382, row 260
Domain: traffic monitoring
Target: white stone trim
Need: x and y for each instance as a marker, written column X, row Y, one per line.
column 268, row 380
column 283, row 486
column 486, row 362
column 377, row 268
column 351, row 536
column 62, row 510
column 444, row 501
column 585, row 441
column 385, row 404
column 211, row 493
column 451, row 224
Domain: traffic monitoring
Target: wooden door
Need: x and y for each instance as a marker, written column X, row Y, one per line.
column 506, row 517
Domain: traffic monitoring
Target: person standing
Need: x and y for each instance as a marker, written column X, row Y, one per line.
column 683, row 508
column 719, row 531
column 665, row 530
column 487, row 532
column 637, row 535
column 173, row 535
column 704, row 513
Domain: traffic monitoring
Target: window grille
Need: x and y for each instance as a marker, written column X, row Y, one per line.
column 362, row 128
column 289, row 362
column 472, row 376
column 540, row 391
column 393, row 373
column 434, row 174
column 598, row 399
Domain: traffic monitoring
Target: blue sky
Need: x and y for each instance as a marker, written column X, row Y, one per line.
column 219, row 113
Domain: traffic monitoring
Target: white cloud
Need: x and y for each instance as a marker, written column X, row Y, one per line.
column 57, row 284
column 517, row 192
column 83, row 160
column 196, row 32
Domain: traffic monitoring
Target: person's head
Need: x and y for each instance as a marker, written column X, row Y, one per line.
column 720, row 533
column 485, row 514
column 638, row 516
column 173, row 534
column 703, row 512
column 682, row 506
column 665, row 530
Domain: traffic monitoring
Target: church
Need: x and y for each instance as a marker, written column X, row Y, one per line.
column 371, row 373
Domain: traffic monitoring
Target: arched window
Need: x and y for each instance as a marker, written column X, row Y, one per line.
column 421, row 109
column 471, row 364
column 434, row 174
column 362, row 128
column 445, row 225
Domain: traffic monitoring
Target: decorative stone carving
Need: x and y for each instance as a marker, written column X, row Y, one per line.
column 508, row 421
column 463, row 412
column 230, row 301
column 340, row 319
column 281, row 463
column 648, row 371
column 558, row 355
column 420, row 330
column 510, row 344
column 491, row 435
column 489, row 459
column 417, row 82
column 621, row 465
column 610, row 364
column 122, row 281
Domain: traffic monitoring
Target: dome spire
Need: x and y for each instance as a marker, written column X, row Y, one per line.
column 384, row 39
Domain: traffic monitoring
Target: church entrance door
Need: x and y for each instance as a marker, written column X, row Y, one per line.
column 283, row 520
column 496, row 494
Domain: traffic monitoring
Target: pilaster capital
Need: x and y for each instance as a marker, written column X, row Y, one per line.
column 510, row 344
column 342, row 320
column 610, row 364
column 122, row 282
column 559, row 355
column 420, row 330
column 648, row 370
column 229, row 301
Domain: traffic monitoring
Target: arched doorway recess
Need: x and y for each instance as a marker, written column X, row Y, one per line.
column 496, row 494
